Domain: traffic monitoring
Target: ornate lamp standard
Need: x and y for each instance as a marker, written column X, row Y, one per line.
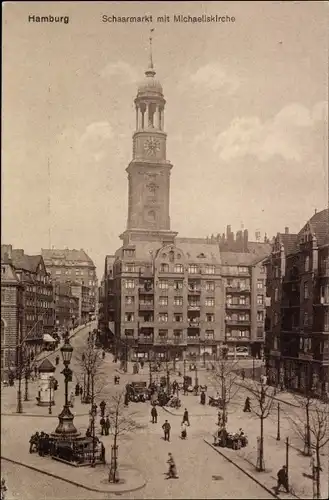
column 66, row 427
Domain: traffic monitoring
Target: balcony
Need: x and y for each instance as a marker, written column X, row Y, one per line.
column 305, row 356
column 146, row 290
column 179, row 340
column 194, row 307
column 145, row 339
column 193, row 339
column 194, row 291
column 237, row 289
column 146, row 306
column 240, row 322
column 238, row 306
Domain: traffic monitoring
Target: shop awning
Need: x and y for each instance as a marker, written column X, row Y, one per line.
column 48, row 338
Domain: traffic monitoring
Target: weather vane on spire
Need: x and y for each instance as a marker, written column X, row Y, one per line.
column 151, row 57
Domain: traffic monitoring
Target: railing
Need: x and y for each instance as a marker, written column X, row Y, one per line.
column 194, row 307
column 192, row 291
column 238, row 306
column 146, row 307
column 237, row 289
column 143, row 290
column 237, row 321
column 148, row 339
column 193, row 340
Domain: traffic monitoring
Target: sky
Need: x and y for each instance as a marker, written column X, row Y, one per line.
column 246, row 117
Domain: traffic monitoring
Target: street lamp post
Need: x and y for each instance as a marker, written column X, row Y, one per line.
column 51, row 386
column 278, row 437
column 66, row 427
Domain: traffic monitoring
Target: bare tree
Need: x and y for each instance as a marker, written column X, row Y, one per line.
column 90, row 363
column 315, row 433
column 224, row 377
column 122, row 423
column 301, row 423
column 263, row 397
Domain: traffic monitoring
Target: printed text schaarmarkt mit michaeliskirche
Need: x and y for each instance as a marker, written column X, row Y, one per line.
column 180, row 18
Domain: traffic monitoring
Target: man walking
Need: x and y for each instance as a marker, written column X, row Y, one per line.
column 102, row 424
column 247, row 405
column 185, row 418
column 154, row 415
column 107, row 426
column 166, row 428
column 282, row 479
column 102, row 406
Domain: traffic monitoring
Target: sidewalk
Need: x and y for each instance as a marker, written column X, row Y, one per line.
column 92, row 479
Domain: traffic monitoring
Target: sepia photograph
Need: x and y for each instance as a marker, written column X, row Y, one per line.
column 165, row 250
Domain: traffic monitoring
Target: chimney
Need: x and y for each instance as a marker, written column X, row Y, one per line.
column 286, row 230
column 6, row 252
column 245, row 240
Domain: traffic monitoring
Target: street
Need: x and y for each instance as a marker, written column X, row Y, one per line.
column 203, row 473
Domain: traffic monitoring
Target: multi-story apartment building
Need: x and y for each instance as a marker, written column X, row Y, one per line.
column 86, row 302
column 66, row 306
column 297, row 326
column 33, row 298
column 73, row 266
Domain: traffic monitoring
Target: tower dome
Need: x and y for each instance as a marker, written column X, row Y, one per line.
column 150, row 85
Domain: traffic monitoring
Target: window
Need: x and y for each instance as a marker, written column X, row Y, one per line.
column 262, row 270
column 178, row 333
column 260, row 284
column 276, row 294
column 260, row 332
column 129, row 268
column 163, row 301
column 164, row 268
column 229, row 299
column 276, row 318
column 209, row 269
column 129, row 317
column 307, row 263
column 178, row 318
column 244, row 333
column 163, row 284
column 163, row 333
column 243, row 269
column 90, row 282
column 178, row 285
column 242, row 300
column 171, row 256
column 210, row 286
column 209, row 335
column 243, row 317
column 129, row 300
column 178, row 301
column 179, row 268
column 193, row 269
column 306, row 290
column 129, row 283
column 129, row 332
column 260, row 315
column 129, row 252
column 306, row 319
column 210, row 302
column 163, row 317
column 260, row 300
column 210, row 318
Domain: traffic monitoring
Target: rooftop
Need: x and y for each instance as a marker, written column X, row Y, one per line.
column 67, row 255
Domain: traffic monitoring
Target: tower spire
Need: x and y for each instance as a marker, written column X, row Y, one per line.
column 150, row 71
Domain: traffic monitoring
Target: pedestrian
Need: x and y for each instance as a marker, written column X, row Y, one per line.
column 77, row 389
column 183, row 430
column 154, row 415
column 36, row 371
column 172, row 472
column 94, row 409
column 243, row 374
column 57, row 360
column 102, row 424
column 282, row 479
column 219, row 419
column 107, row 426
column 81, row 391
column 142, row 365
column 102, row 406
column 72, row 399
column 103, row 354
column 88, row 432
column 247, row 405
column 166, row 428
column 126, row 402
column 185, row 417
column 41, row 447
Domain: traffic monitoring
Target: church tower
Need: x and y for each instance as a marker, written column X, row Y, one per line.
column 149, row 170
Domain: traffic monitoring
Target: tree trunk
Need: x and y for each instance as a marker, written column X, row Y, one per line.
column 318, row 471
column 307, row 447
column 261, row 467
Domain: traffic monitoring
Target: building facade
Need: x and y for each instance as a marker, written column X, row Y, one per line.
column 66, row 307
column 297, row 326
column 74, row 266
column 28, row 306
column 164, row 295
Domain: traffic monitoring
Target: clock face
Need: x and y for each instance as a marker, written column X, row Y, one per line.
column 151, row 146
